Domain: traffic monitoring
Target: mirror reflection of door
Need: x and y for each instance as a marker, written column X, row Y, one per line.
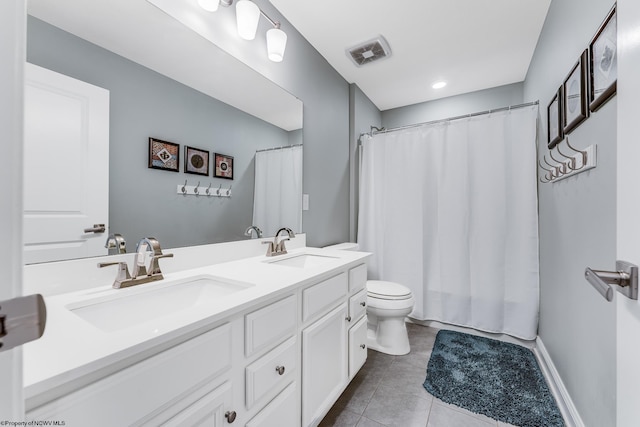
column 66, row 153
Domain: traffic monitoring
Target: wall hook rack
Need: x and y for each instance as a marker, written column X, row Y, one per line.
column 565, row 165
column 196, row 190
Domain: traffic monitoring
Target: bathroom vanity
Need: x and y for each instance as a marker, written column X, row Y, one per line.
column 259, row 341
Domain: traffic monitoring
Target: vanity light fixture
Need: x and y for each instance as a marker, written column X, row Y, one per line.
column 439, row 85
column 247, row 20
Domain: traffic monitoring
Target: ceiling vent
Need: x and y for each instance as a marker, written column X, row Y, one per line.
column 369, row 51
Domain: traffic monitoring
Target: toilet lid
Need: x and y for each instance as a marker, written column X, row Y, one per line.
column 387, row 290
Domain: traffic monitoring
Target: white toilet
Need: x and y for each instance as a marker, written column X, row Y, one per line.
column 388, row 304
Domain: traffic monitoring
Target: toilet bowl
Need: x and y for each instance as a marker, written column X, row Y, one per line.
column 388, row 304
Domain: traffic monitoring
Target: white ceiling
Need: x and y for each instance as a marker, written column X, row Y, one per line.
column 470, row 44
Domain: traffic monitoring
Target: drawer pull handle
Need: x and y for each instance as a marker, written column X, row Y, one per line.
column 363, row 303
column 230, row 416
column 280, row 370
column 348, row 318
column 362, row 346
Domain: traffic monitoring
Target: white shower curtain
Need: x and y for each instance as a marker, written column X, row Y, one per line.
column 450, row 211
column 277, row 198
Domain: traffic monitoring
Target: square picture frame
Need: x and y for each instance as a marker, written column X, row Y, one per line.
column 164, row 155
column 223, row 166
column 555, row 131
column 575, row 102
column 603, row 64
column 196, row 161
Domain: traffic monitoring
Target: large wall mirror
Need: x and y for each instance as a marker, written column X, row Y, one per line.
column 165, row 82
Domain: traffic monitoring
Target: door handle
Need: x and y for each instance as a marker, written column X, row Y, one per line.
column 624, row 280
column 22, row 320
column 97, row 228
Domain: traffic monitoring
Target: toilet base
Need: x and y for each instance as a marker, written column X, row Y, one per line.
column 389, row 336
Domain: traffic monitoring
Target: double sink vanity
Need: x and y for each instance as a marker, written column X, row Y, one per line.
column 257, row 341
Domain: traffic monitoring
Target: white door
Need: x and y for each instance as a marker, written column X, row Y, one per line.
column 628, row 209
column 66, row 158
column 324, row 363
column 12, row 42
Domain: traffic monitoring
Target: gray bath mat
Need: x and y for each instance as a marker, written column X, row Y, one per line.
column 494, row 378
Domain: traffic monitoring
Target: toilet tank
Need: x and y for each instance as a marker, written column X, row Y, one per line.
column 347, row 246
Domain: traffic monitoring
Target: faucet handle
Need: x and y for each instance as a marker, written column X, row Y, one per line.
column 123, row 272
column 271, row 249
column 154, row 268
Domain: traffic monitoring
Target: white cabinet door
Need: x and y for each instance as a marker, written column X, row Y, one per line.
column 280, row 412
column 357, row 346
column 324, row 363
column 66, row 166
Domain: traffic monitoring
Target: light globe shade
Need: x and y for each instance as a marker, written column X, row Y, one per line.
column 276, row 44
column 209, row 5
column 247, row 15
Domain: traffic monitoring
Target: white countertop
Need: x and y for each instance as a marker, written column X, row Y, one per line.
column 72, row 352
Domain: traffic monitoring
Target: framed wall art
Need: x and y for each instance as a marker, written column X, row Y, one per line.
column 164, row 155
column 575, row 103
column 223, row 166
column 554, row 119
column 603, row 64
column 196, row 161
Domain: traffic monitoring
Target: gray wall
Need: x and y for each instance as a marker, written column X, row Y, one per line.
column 454, row 106
column 577, row 223
column 363, row 114
column 325, row 94
column 143, row 104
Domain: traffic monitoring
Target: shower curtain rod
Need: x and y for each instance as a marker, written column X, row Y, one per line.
column 383, row 130
column 279, row 148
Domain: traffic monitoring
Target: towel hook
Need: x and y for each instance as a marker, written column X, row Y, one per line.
column 584, row 153
column 184, row 187
column 208, row 188
column 195, row 189
column 556, row 168
column 571, row 164
column 229, row 190
column 561, row 165
column 218, row 190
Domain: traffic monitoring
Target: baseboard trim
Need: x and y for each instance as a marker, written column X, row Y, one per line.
column 559, row 391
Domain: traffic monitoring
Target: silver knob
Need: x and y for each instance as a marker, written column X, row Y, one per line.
column 348, row 318
column 363, row 303
column 230, row 416
column 362, row 346
column 280, row 370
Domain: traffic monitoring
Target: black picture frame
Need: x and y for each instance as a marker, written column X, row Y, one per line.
column 603, row 63
column 164, row 155
column 223, row 166
column 575, row 102
column 555, row 131
column 196, row 161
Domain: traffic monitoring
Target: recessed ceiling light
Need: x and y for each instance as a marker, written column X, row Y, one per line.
column 439, row 85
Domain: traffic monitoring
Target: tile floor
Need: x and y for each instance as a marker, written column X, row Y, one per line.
column 388, row 391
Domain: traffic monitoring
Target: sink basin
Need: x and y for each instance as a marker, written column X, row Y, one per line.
column 304, row 260
column 117, row 312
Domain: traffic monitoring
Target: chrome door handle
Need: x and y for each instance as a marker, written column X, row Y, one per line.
column 97, row 228
column 625, row 280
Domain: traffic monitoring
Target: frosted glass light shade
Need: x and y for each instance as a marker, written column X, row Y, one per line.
column 209, row 5
column 276, row 44
column 247, row 16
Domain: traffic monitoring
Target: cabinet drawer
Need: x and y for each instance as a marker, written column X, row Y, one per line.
column 357, row 346
column 323, row 296
column 135, row 393
column 357, row 278
column 281, row 411
column 358, row 305
column 266, row 327
column 268, row 374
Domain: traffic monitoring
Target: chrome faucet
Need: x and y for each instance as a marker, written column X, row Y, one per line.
column 247, row 232
column 116, row 244
column 277, row 247
column 140, row 273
